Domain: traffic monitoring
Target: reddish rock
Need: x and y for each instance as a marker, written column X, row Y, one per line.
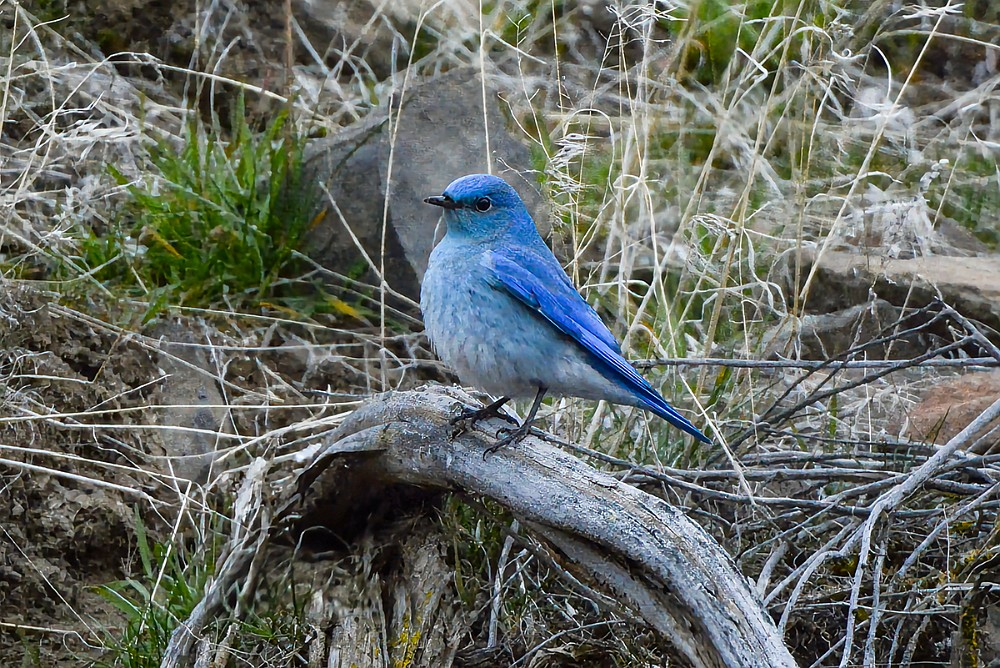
column 951, row 404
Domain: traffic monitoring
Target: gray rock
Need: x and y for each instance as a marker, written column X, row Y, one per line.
column 193, row 401
column 384, row 167
column 969, row 284
column 824, row 336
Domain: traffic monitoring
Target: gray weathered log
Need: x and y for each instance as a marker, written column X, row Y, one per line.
column 643, row 552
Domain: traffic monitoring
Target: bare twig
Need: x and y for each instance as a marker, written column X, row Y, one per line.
column 957, row 362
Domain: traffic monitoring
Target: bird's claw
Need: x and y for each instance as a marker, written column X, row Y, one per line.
column 507, row 431
column 468, row 418
column 510, row 437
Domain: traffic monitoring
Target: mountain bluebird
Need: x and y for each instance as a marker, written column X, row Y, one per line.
column 499, row 310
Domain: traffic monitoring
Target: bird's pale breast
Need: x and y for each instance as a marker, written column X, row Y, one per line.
column 493, row 341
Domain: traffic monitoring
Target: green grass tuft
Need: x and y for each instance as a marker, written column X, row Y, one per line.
column 166, row 590
column 217, row 223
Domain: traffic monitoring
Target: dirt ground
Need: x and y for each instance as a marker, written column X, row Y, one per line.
column 70, row 492
column 86, row 423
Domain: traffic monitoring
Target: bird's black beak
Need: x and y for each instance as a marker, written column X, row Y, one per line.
column 444, row 202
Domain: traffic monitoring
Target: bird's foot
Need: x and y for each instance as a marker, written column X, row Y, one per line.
column 518, row 434
column 510, row 437
column 468, row 418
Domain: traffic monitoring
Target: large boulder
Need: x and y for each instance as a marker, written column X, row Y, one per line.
column 372, row 177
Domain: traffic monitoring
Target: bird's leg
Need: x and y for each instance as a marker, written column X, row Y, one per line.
column 470, row 416
column 515, row 435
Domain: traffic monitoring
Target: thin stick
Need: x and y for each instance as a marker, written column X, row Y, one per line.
column 814, row 364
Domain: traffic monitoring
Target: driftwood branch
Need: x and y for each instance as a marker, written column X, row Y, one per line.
column 644, row 552
column 648, row 556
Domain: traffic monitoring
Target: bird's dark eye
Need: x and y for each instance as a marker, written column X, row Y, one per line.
column 483, row 204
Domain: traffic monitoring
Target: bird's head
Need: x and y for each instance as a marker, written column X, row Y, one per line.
column 481, row 207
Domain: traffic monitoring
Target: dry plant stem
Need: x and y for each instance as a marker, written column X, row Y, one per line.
column 776, row 414
column 887, row 499
column 241, row 556
column 942, row 526
column 963, row 362
column 498, row 586
column 649, row 555
column 247, row 544
column 687, row 481
column 542, row 552
column 817, row 396
column 888, row 502
column 973, row 331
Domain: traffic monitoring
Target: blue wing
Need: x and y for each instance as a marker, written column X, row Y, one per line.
column 547, row 290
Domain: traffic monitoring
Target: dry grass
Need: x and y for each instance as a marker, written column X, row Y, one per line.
column 690, row 181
